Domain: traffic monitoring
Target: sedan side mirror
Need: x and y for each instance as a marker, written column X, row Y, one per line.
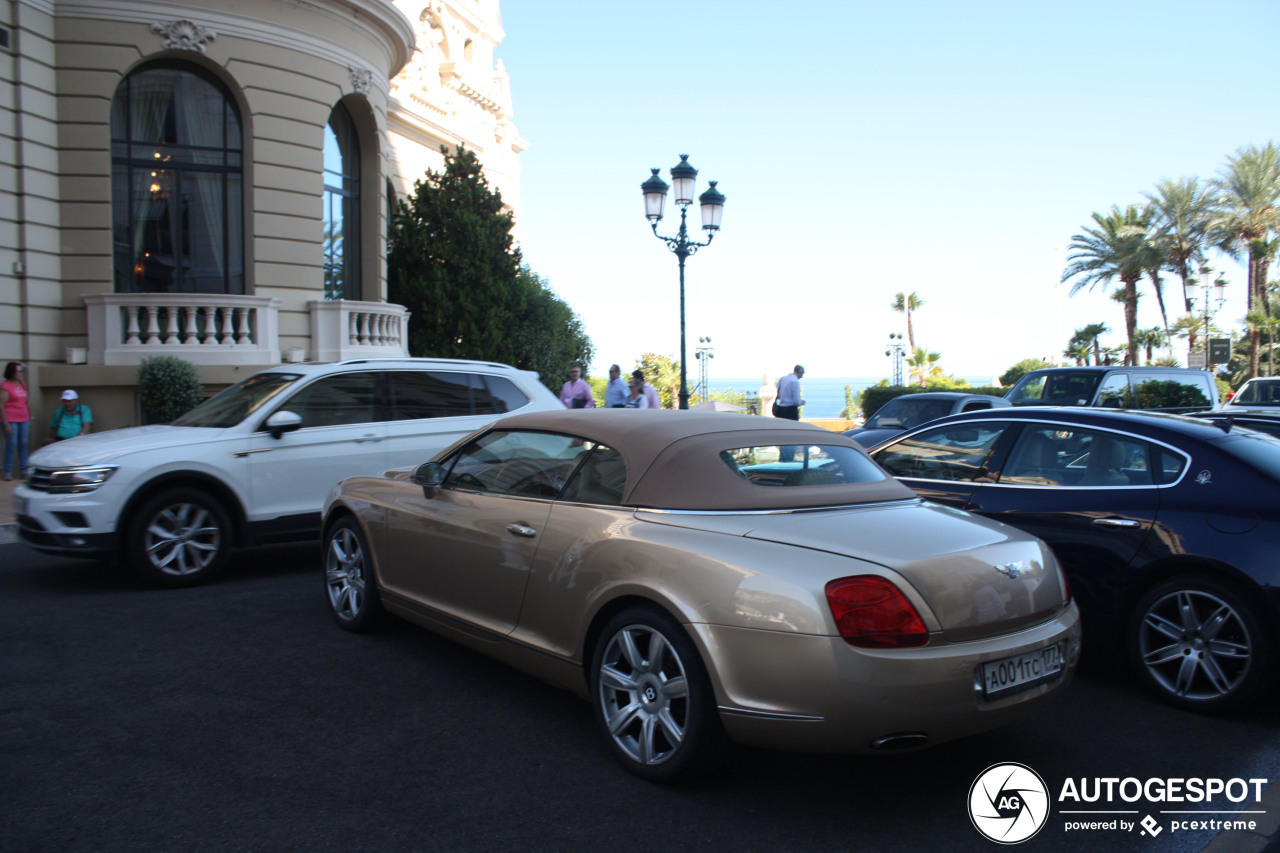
column 429, row 475
column 282, row 422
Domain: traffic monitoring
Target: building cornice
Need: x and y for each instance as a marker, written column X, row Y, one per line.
column 380, row 20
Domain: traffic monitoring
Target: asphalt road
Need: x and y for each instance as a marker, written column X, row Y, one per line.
column 236, row 716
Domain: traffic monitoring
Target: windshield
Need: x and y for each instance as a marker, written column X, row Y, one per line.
column 906, row 413
column 1055, row 388
column 238, row 402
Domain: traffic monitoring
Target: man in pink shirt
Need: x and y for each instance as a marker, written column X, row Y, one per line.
column 576, row 393
column 650, row 393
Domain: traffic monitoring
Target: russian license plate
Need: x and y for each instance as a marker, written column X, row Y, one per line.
column 1009, row 675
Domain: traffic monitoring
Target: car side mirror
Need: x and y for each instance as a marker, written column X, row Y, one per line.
column 282, row 422
column 429, row 475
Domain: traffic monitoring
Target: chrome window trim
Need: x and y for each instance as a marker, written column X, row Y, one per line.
column 777, row 511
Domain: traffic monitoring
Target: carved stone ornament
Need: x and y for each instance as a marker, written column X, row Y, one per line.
column 184, row 35
column 361, row 80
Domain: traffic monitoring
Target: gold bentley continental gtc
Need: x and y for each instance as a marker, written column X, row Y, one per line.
column 709, row 578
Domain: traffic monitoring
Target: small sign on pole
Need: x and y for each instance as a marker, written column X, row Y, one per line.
column 1219, row 350
column 1195, row 360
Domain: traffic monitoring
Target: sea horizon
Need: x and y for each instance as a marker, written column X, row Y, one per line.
column 823, row 395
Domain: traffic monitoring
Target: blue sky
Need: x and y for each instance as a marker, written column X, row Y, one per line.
column 867, row 148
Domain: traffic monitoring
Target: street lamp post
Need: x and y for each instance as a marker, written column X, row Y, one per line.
column 895, row 349
column 1202, row 283
column 704, row 354
column 683, row 177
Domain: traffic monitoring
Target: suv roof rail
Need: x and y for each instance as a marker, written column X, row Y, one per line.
column 441, row 361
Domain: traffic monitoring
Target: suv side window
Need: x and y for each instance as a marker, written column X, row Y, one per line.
column 1114, row 392
column 431, row 394
column 343, row 398
column 1161, row 391
column 499, row 396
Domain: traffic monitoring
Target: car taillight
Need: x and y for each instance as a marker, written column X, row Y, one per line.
column 870, row 611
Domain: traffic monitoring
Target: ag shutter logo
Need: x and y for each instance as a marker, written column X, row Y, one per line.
column 1008, row 803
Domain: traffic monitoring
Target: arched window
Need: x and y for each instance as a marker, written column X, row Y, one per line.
column 341, row 207
column 177, row 179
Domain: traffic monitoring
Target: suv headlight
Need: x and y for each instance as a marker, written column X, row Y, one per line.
column 75, row 479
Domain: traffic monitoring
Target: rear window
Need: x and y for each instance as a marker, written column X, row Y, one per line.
column 802, row 465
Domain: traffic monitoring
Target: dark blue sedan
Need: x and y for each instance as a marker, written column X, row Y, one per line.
column 1168, row 528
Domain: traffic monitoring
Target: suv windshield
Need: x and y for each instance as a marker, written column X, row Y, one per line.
column 1055, row 388
column 238, row 402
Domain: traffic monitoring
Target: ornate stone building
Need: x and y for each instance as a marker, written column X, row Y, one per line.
column 212, row 179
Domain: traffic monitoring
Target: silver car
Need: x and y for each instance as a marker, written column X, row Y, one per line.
column 707, row 578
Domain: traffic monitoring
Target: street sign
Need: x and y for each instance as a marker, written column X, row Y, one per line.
column 1219, row 350
column 1195, row 360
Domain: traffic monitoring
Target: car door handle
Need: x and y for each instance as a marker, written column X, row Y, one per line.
column 368, row 439
column 522, row 530
column 1117, row 522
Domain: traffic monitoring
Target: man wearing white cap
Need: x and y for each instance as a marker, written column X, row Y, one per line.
column 74, row 418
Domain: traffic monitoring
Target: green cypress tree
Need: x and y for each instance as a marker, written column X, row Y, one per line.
column 452, row 264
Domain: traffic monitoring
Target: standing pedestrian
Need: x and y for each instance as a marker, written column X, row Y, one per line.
column 576, row 393
column 650, row 393
column 615, row 394
column 16, row 415
column 636, row 399
column 789, row 400
column 72, row 418
column 788, row 406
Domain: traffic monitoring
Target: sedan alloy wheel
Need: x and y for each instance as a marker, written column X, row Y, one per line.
column 1198, row 645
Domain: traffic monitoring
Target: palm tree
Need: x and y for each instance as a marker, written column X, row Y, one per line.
column 1247, row 222
column 905, row 303
column 1078, row 350
column 1090, row 335
column 924, row 365
column 1117, row 247
column 1149, row 339
column 1182, row 212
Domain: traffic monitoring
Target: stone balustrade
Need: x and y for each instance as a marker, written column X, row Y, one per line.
column 343, row 328
column 125, row 328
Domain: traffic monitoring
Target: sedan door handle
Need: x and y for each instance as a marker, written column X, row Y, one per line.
column 522, row 530
column 1117, row 522
column 368, row 439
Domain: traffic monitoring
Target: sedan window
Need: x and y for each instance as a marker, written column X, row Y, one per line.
column 952, row 452
column 525, row 464
column 343, row 398
column 1057, row 455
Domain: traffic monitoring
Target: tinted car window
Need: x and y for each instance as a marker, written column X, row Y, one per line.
column 1168, row 392
column 907, row 413
column 431, row 394
column 499, row 396
column 1114, row 393
column 952, row 452
column 1056, row 388
column 343, row 398
column 1055, row 455
column 525, row 464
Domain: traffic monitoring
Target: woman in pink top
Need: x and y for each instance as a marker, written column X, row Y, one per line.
column 16, row 416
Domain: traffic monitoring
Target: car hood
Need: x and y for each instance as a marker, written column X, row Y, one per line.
column 980, row 578
column 100, row 448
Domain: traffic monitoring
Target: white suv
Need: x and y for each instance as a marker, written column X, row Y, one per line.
column 253, row 464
